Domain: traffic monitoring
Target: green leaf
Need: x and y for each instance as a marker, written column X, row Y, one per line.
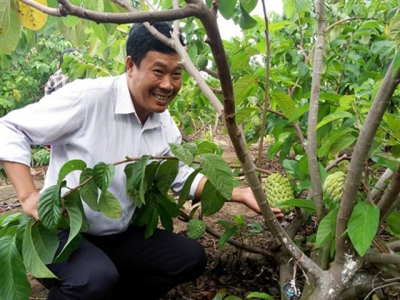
column 260, row 295
column 184, row 194
column 246, row 21
column 211, row 200
column 341, row 144
column 7, row 219
column 14, row 283
column 334, row 117
column 393, row 220
column 50, row 208
column 10, row 38
column 307, row 205
column 45, row 242
column 135, row 173
column 248, row 5
column 166, row 175
column 386, row 159
column 103, row 175
column 32, row 259
column 73, row 205
column 285, row 103
column 185, row 152
column 110, row 206
column 89, row 192
column 243, row 86
column 326, row 229
column 289, row 7
column 242, row 114
column 218, row 173
column 69, row 167
column 4, row 16
column 227, row 8
column 363, row 225
column 227, row 235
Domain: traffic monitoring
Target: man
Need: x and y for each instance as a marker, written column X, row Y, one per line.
column 104, row 120
column 58, row 79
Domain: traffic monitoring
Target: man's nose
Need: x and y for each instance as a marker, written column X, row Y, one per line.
column 166, row 83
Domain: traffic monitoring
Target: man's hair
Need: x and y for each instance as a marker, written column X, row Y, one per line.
column 140, row 41
column 68, row 50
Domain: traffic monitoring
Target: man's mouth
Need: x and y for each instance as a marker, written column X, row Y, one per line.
column 161, row 97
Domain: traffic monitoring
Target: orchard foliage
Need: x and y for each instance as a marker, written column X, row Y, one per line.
column 343, row 54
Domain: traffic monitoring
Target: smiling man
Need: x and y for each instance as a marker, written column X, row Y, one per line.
column 105, row 120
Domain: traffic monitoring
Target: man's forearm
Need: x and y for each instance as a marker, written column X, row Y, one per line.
column 21, row 178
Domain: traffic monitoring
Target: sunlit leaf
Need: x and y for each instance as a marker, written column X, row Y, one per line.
column 30, row 17
column 4, row 16
column 110, row 206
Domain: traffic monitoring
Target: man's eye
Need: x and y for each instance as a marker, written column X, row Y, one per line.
column 177, row 75
column 159, row 72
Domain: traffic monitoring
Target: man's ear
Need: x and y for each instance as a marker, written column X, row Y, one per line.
column 129, row 63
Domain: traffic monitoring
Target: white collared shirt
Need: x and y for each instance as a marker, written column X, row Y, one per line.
column 93, row 120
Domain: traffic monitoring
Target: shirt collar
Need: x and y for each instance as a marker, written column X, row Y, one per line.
column 123, row 101
column 124, row 104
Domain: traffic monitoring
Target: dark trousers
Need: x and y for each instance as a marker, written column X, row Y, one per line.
column 126, row 266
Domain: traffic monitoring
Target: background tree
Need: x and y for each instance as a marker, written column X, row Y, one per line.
column 323, row 82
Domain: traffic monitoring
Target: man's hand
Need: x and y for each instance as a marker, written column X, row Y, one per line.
column 30, row 205
column 246, row 197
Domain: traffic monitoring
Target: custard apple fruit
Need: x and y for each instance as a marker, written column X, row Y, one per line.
column 278, row 189
column 334, row 185
column 341, row 166
column 196, row 228
column 201, row 62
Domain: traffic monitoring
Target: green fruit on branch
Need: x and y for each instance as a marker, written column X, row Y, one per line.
column 201, row 62
column 256, row 123
column 334, row 185
column 341, row 166
column 278, row 189
column 196, row 228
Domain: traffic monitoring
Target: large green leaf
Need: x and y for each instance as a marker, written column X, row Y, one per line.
column 4, row 16
column 289, row 7
column 393, row 221
column 185, row 152
column 70, row 166
column 248, row 5
column 14, row 283
column 285, row 103
column 166, row 174
column 31, row 257
column 103, row 175
column 386, row 159
column 134, row 173
column 73, row 205
column 243, row 86
column 227, row 8
column 110, row 206
column 326, row 228
column 45, row 242
column 246, row 21
column 9, row 40
column 363, row 225
column 211, row 200
column 334, row 117
column 218, row 173
column 50, row 208
column 89, row 192
column 305, row 204
column 184, row 194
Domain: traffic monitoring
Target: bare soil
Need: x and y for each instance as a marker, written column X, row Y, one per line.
column 230, row 271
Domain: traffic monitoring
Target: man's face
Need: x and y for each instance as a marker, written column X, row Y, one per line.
column 155, row 83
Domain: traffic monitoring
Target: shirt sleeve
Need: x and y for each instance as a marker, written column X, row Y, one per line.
column 52, row 120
